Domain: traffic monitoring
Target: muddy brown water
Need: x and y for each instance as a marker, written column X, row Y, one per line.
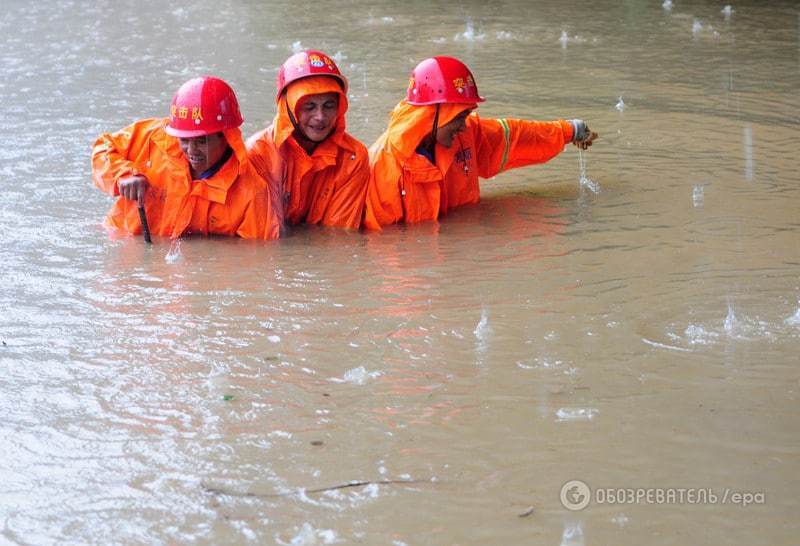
column 638, row 334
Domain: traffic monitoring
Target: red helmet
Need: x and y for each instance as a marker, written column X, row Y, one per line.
column 305, row 64
column 203, row 106
column 442, row 79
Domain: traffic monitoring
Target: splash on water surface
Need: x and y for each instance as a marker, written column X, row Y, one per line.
column 174, row 254
column 309, row 536
column 697, row 196
column 469, row 33
column 572, row 535
column 576, row 414
column 794, row 320
column 357, row 376
column 585, row 181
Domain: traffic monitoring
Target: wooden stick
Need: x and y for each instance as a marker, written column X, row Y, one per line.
column 145, row 227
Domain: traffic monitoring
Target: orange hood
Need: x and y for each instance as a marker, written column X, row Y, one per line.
column 236, row 142
column 409, row 124
column 313, row 85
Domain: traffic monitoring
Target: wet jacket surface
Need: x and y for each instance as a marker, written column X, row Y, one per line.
column 329, row 186
column 233, row 201
column 406, row 187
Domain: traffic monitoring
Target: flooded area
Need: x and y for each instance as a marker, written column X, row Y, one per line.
column 629, row 318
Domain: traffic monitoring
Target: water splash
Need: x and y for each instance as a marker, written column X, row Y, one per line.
column 697, row 196
column 540, row 363
column 469, row 33
column 503, row 35
column 308, row 535
column 483, row 329
column 564, row 39
column 576, row 414
column 357, row 376
column 384, row 20
column 585, row 181
column 727, row 11
column 620, row 104
column 482, row 333
column 174, row 254
column 794, row 320
column 730, row 323
column 697, row 26
column 667, row 5
column 697, row 335
column 297, row 47
column 573, row 534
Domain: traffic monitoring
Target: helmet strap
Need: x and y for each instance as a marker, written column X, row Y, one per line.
column 433, row 134
column 291, row 117
column 306, row 143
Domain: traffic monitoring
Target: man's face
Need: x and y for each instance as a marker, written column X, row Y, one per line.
column 203, row 152
column 316, row 115
column 447, row 133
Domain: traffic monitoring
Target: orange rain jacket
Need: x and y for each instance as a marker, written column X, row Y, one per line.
column 328, row 187
column 406, row 187
column 234, row 201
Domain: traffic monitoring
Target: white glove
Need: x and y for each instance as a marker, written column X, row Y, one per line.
column 580, row 131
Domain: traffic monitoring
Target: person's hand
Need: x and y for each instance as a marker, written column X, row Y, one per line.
column 586, row 142
column 133, row 187
column 582, row 135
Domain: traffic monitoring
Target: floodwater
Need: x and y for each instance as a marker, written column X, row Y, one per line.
column 434, row 384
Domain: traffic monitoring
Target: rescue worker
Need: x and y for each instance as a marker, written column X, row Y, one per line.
column 430, row 157
column 189, row 171
column 324, row 170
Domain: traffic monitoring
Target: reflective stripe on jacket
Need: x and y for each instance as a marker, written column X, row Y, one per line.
column 406, row 187
column 233, row 201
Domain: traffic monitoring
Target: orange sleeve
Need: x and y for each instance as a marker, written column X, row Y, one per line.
column 384, row 202
column 260, row 220
column 263, row 155
column 505, row 144
column 346, row 208
column 112, row 155
column 269, row 166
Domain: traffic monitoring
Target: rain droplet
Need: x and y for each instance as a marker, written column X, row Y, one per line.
column 697, row 196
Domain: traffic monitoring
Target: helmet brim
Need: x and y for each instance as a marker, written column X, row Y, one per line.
column 179, row 133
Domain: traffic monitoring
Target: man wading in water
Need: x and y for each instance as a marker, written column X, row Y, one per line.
column 430, row 157
column 321, row 170
column 189, row 172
